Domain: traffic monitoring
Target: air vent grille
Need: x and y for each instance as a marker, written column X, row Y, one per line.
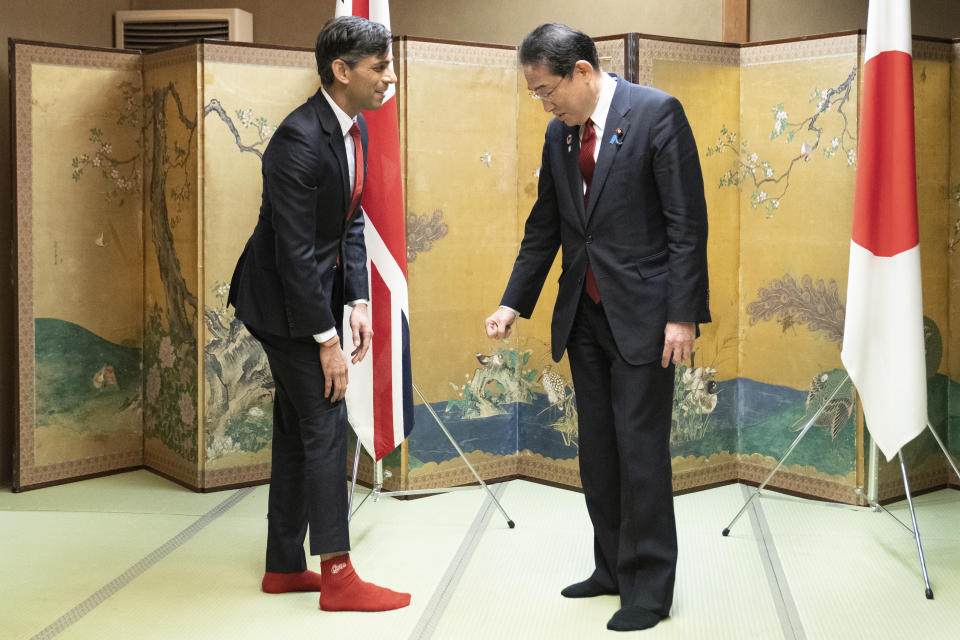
column 152, row 35
column 148, row 30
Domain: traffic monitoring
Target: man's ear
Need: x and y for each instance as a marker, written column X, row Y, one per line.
column 583, row 69
column 340, row 71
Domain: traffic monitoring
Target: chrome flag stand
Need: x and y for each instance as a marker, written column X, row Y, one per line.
column 871, row 498
column 872, row 493
column 378, row 475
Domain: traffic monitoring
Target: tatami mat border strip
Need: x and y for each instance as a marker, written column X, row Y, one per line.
column 118, row 583
column 448, row 583
column 779, row 586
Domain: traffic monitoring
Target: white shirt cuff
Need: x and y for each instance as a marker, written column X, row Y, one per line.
column 515, row 314
column 323, row 336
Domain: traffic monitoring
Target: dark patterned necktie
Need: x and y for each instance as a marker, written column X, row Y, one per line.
column 587, row 164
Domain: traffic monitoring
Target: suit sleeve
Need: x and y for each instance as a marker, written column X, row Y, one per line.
column 541, row 239
column 356, row 284
column 680, row 185
column 289, row 179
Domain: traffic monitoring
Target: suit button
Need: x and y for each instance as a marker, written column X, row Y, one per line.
column 589, row 238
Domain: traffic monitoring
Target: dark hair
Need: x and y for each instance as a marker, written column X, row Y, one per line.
column 349, row 38
column 558, row 47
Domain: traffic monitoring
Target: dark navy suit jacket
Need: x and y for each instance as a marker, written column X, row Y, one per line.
column 644, row 230
column 305, row 257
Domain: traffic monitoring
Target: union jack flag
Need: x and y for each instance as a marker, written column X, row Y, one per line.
column 380, row 392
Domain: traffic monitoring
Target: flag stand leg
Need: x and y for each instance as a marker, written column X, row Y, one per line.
column 916, row 531
column 378, row 473
column 353, row 482
column 806, row 428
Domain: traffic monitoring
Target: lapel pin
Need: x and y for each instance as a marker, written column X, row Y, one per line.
column 569, row 142
column 617, row 137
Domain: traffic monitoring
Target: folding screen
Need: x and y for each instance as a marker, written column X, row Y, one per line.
column 125, row 242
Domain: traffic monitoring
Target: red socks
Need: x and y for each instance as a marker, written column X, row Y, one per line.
column 343, row 590
column 288, row 582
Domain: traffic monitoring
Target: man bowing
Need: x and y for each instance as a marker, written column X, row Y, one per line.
column 621, row 193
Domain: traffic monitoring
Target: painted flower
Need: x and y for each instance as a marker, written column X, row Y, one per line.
column 187, row 411
column 762, row 196
column 255, row 412
column 753, row 158
column 167, row 357
column 265, row 131
column 769, row 173
column 153, row 384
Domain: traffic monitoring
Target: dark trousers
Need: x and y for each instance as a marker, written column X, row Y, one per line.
column 624, row 415
column 309, row 454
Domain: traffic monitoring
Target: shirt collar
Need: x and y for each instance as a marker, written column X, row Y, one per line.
column 607, row 88
column 345, row 121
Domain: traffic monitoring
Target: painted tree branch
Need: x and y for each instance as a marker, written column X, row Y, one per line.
column 769, row 188
column 215, row 107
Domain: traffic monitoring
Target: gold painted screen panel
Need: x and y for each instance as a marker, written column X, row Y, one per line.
column 706, row 80
column 460, row 133
column 171, row 263
column 239, row 119
column 793, row 161
column 79, row 265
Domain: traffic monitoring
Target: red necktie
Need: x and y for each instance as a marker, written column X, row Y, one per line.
column 587, row 164
column 358, row 168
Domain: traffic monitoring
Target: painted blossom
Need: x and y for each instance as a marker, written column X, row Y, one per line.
column 167, row 357
column 187, row 411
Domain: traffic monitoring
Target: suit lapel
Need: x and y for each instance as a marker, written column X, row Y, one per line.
column 331, row 126
column 570, row 153
column 614, row 130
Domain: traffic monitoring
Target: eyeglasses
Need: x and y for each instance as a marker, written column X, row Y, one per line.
column 546, row 96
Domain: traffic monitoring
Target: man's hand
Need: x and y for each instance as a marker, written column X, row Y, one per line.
column 334, row 365
column 678, row 342
column 362, row 332
column 500, row 324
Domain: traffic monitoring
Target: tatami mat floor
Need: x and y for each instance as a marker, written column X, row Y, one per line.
column 135, row 556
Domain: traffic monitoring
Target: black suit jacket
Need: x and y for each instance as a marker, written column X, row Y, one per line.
column 305, row 257
column 644, row 230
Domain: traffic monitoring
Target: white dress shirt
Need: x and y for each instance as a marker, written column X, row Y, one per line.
column 345, row 123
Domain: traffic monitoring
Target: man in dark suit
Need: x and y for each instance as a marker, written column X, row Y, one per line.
column 305, row 260
column 622, row 194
